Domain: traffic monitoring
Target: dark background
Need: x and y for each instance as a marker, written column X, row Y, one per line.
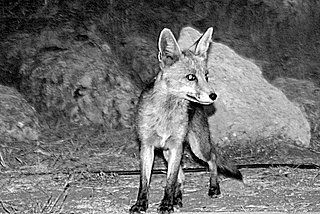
column 282, row 36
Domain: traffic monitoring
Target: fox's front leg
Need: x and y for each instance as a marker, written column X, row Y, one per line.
column 146, row 162
column 177, row 200
column 174, row 155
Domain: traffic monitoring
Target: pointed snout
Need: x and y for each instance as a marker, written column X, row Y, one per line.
column 213, row 96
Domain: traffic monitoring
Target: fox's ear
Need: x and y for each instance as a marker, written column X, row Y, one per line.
column 169, row 50
column 204, row 42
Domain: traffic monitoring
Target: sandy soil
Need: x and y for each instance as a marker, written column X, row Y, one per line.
column 273, row 189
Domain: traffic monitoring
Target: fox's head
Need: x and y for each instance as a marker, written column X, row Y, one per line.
column 184, row 73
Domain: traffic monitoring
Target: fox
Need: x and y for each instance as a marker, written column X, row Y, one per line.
column 170, row 114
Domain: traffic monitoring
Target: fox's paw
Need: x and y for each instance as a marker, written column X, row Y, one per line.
column 178, row 202
column 214, row 191
column 138, row 208
column 165, row 208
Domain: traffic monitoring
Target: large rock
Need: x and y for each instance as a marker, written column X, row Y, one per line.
column 18, row 120
column 307, row 95
column 248, row 108
column 82, row 83
column 69, row 73
column 140, row 54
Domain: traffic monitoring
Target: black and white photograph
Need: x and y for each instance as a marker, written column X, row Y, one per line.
column 168, row 106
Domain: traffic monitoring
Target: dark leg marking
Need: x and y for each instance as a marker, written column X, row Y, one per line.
column 146, row 162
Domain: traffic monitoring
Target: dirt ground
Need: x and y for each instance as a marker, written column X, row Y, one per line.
column 65, row 172
column 273, row 189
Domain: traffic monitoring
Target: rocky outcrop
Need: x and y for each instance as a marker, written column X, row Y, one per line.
column 18, row 120
column 140, row 55
column 66, row 66
column 78, row 81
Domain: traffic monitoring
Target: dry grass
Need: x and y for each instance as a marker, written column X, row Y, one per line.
column 274, row 149
column 73, row 148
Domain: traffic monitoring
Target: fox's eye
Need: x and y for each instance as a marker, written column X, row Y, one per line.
column 207, row 78
column 191, row 77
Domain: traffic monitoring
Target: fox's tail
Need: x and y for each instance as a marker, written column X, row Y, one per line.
column 228, row 169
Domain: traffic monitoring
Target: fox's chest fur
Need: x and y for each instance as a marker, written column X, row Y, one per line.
column 162, row 119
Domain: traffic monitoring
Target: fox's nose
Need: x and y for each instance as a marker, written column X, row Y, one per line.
column 213, row 96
